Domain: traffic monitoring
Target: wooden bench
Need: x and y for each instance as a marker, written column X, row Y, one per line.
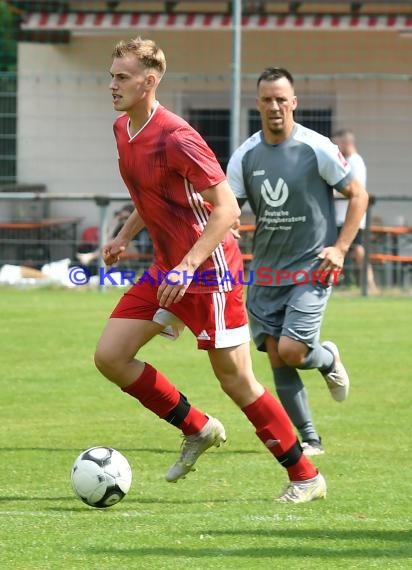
column 402, row 264
column 384, row 257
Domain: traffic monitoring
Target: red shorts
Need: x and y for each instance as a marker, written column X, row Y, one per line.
column 218, row 320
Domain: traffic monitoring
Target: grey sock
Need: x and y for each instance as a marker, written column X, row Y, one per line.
column 320, row 358
column 294, row 398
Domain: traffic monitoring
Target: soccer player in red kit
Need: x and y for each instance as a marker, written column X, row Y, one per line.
column 182, row 197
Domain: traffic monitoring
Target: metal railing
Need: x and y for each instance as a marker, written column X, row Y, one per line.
column 101, row 202
column 395, row 258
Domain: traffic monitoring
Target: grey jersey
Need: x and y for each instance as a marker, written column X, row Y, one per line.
column 289, row 188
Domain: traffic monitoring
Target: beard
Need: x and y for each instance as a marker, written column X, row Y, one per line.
column 276, row 127
column 276, row 130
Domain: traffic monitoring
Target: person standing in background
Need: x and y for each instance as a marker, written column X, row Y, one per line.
column 88, row 253
column 345, row 139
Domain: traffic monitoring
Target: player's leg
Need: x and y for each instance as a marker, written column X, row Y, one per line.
column 358, row 253
column 116, row 358
column 299, row 343
column 120, row 341
column 233, row 368
column 294, row 398
column 266, row 307
column 219, row 322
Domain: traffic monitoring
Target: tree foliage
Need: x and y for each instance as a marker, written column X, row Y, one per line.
column 8, row 42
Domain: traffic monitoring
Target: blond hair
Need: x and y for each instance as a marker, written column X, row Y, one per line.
column 149, row 55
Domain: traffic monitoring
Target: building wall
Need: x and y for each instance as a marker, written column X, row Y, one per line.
column 65, row 114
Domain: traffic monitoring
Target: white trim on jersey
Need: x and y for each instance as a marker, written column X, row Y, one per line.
column 331, row 164
column 221, row 269
column 234, row 171
column 202, row 215
column 156, row 105
column 219, row 303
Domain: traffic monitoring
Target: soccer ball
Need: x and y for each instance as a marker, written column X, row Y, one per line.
column 101, row 477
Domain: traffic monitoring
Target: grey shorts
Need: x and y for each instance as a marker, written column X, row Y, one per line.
column 295, row 311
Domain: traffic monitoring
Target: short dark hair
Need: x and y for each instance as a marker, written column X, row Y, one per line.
column 275, row 73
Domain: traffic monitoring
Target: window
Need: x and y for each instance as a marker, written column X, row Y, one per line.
column 214, row 126
column 319, row 120
column 8, row 122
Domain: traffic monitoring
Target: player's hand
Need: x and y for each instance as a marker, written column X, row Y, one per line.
column 174, row 285
column 332, row 263
column 111, row 252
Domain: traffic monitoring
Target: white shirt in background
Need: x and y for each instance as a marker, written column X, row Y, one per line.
column 358, row 167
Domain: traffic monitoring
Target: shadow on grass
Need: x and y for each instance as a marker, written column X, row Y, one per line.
column 130, row 502
column 312, row 534
column 134, row 503
column 332, row 546
column 25, row 498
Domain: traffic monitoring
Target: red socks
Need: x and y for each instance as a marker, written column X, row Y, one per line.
column 275, row 430
column 157, row 394
column 271, row 422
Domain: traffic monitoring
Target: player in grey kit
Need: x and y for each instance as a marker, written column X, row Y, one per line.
column 287, row 173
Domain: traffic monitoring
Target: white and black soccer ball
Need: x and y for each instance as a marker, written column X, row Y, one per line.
column 101, row 477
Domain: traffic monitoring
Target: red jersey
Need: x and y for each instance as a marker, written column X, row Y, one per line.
column 166, row 166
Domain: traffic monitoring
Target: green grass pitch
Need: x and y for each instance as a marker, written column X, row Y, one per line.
column 55, row 404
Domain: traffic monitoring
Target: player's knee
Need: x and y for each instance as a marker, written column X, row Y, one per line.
column 291, row 355
column 100, row 360
column 241, row 388
column 106, row 362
